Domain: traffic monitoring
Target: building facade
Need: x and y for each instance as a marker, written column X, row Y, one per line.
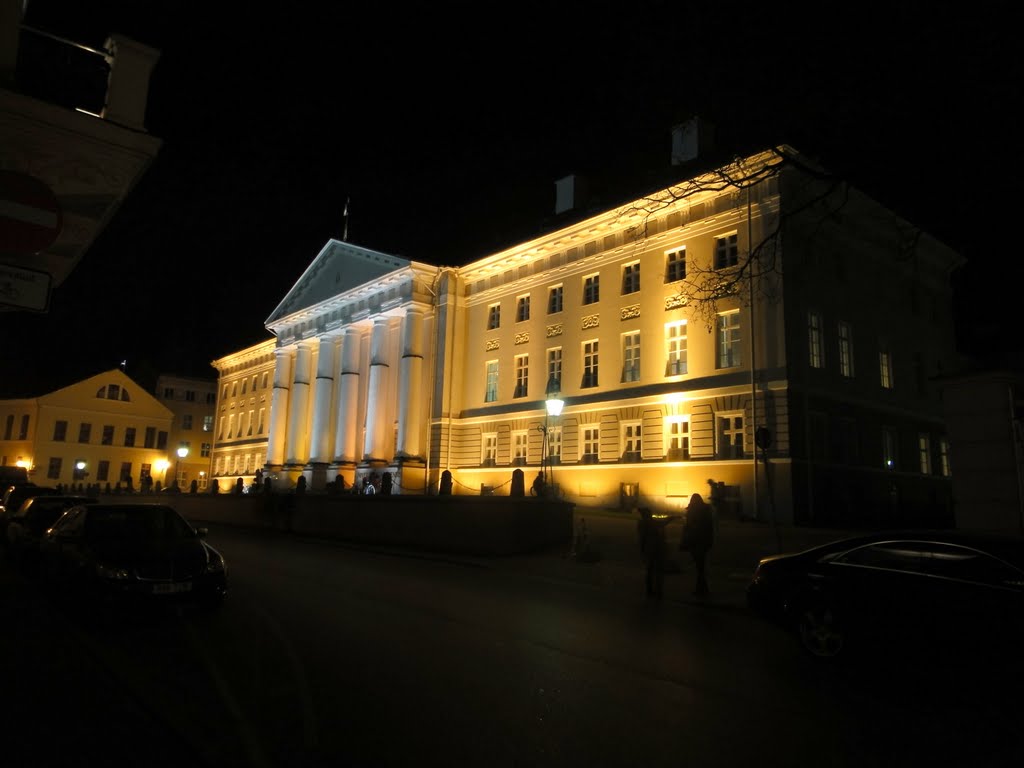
column 242, row 415
column 104, row 430
column 759, row 332
column 193, row 402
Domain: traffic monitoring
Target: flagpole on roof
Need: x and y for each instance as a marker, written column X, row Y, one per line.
column 344, row 215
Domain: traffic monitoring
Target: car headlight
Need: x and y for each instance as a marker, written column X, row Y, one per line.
column 112, row 573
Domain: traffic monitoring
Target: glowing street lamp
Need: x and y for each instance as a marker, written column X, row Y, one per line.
column 553, row 404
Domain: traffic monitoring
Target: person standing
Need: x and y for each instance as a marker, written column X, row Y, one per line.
column 697, row 538
column 651, row 533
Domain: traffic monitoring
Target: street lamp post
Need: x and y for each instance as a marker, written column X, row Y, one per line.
column 553, row 405
column 182, row 453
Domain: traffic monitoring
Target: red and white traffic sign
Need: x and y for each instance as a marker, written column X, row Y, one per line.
column 30, row 216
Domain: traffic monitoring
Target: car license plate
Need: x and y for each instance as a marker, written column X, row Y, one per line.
column 168, row 589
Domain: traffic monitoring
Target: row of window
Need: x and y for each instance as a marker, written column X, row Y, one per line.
column 190, row 395
column 729, row 444
column 726, row 255
column 22, row 430
column 239, row 464
column 247, row 384
column 844, row 338
column 247, row 425
column 152, row 438
column 727, row 346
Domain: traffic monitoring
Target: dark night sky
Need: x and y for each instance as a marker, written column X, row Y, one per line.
column 448, row 125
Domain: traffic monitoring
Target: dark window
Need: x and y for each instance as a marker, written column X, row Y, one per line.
column 129, row 437
column 555, row 300
column 23, row 433
column 126, row 471
column 9, row 426
column 60, row 431
column 190, row 395
column 161, row 441
column 53, row 470
column 84, row 432
column 103, row 471
column 108, row 435
column 150, row 439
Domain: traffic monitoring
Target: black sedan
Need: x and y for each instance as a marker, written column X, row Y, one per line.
column 128, row 551
column 907, row 594
column 27, row 526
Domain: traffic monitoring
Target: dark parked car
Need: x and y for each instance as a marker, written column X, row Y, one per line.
column 126, row 551
column 907, row 594
column 12, row 500
column 26, row 527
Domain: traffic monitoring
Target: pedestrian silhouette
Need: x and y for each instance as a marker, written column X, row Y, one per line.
column 651, row 534
column 538, row 485
column 697, row 538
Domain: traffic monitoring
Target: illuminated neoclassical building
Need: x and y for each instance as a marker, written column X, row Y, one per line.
column 760, row 325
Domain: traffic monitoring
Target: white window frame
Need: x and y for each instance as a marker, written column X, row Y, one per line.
column 728, row 350
column 491, row 381
column 631, row 356
column 631, row 435
column 489, row 449
column 591, row 443
column 523, row 308
column 493, row 316
column 520, row 447
column 727, row 250
column 556, row 298
column 522, row 368
column 591, row 363
column 554, row 357
column 630, row 277
column 944, row 466
column 677, row 438
column 592, row 288
column 675, row 265
column 729, row 426
column 554, row 444
column 675, row 348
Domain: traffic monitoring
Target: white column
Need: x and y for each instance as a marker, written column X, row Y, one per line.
column 279, row 402
column 323, row 389
column 376, row 410
column 410, row 386
column 296, row 447
column 345, row 438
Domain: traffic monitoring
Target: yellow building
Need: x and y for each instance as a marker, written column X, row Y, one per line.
column 104, row 430
column 757, row 331
column 242, row 414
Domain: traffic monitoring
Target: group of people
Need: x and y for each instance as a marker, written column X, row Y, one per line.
column 697, row 538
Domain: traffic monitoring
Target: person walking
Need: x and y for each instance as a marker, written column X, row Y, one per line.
column 651, row 533
column 697, row 538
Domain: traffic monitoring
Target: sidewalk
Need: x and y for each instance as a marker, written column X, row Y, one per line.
column 612, row 559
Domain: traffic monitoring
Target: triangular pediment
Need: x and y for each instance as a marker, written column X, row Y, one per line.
column 110, row 392
column 338, row 268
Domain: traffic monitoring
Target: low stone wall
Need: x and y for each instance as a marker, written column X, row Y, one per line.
column 475, row 525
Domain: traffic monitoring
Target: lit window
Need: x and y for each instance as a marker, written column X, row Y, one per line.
column 727, row 252
column 554, row 436
column 591, row 436
column 519, row 445
column 944, row 457
column 728, row 339
column 631, row 278
column 590, row 364
column 885, row 369
column 817, row 358
column 846, row 350
column 631, row 356
column 490, row 454
column 675, row 265
column 591, row 289
column 631, row 437
column 924, row 453
column 675, row 346
column 491, row 388
column 677, row 438
column 522, row 375
column 493, row 317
